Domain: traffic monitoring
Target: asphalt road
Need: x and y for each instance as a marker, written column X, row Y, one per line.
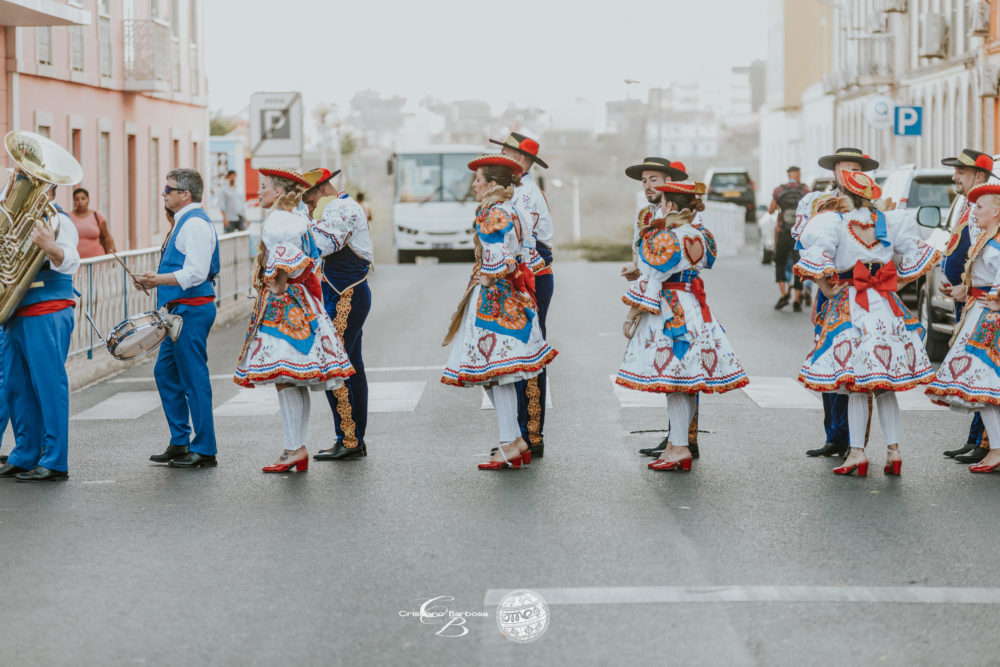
column 760, row 556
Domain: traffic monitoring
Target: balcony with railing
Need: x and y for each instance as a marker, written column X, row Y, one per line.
column 146, row 56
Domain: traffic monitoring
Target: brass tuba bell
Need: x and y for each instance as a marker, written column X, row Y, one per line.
column 38, row 164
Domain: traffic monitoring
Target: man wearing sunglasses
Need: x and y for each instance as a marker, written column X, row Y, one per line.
column 184, row 285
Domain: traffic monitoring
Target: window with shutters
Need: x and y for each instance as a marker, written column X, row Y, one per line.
column 76, row 50
column 43, row 45
column 104, row 37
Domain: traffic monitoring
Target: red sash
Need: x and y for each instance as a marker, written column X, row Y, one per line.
column 523, row 280
column 884, row 281
column 311, row 282
column 697, row 288
column 44, row 308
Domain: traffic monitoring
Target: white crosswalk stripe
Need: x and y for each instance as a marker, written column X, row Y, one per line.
column 123, row 405
column 780, row 393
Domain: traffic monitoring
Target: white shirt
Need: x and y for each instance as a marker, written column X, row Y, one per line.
column 196, row 241
column 67, row 239
column 529, row 197
column 343, row 224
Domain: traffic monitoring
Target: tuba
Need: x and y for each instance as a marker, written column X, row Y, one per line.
column 38, row 164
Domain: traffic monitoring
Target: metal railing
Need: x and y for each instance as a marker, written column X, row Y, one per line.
column 107, row 290
column 146, row 55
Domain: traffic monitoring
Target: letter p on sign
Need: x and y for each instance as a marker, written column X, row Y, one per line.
column 909, row 121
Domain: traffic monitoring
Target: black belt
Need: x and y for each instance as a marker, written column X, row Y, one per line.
column 873, row 268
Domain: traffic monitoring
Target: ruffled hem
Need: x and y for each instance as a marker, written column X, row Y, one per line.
column 497, row 270
column 969, row 399
column 926, row 262
column 283, row 375
column 459, row 378
column 638, row 301
column 701, row 387
column 848, row 383
column 812, row 271
column 290, row 265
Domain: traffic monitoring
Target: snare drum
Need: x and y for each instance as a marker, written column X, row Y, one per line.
column 137, row 335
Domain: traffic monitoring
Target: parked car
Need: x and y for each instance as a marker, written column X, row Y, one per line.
column 822, row 184
column 766, row 223
column 936, row 310
column 733, row 186
column 909, row 187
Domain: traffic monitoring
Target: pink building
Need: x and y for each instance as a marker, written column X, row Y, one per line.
column 119, row 83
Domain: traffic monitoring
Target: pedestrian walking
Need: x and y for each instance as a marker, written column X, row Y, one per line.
column 496, row 329
column 676, row 346
column 340, row 228
column 360, row 198
column 868, row 342
column 785, row 200
column 231, row 205
column 536, row 249
column 184, row 286
column 91, row 227
column 969, row 376
column 291, row 342
column 972, row 168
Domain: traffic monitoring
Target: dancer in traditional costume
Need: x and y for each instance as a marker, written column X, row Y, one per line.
column 868, row 342
column 972, row 168
column 676, row 346
column 969, row 377
column 497, row 334
column 536, row 233
column 291, row 342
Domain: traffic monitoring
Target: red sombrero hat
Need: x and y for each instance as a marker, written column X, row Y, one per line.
column 290, row 174
column 317, row 177
column 496, row 160
column 675, row 170
column 984, row 189
column 523, row 145
column 861, row 184
column 685, row 187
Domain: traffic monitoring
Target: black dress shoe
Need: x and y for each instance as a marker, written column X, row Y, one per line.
column 170, row 453
column 41, row 474
column 975, row 456
column 655, row 451
column 3, row 458
column 9, row 470
column 693, row 446
column 340, row 453
column 965, row 449
column 829, row 449
column 194, row 460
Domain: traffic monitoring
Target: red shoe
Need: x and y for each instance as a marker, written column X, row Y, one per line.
column 300, row 465
column 681, row 465
column 506, row 463
column 979, row 467
column 526, row 457
column 862, row 469
column 892, row 467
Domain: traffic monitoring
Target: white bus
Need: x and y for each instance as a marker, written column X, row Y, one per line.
column 433, row 206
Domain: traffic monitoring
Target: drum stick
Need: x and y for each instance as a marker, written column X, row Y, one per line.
column 130, row 274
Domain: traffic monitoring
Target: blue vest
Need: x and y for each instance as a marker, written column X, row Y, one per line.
column 344, row 268
column 50, row 285
column 173, row 260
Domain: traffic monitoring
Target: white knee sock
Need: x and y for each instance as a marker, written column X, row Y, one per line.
column 504, row 399
column 888, row 416
column 991, row 419
column 303, row 435
column 680, row 409
column 857, row 418
column 290, row 402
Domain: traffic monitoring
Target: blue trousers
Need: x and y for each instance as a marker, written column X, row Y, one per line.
column 181, row 374
column 34, row 361
column 349, row 404
column 531, row 392
column 4, row 410
column 835, row 418
column 977, row 428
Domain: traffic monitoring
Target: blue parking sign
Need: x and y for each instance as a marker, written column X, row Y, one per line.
column 909, row 121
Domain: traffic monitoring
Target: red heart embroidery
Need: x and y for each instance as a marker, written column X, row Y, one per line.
column 709, row 360
column 257, row 342
column 884, row 354
column 842, row 352
column 862, row 231
column 694, row 249
column 327, row 345
column 279, row 251
column 486, row 345
column 959, row 365
column 664, row 355
column 911, row 357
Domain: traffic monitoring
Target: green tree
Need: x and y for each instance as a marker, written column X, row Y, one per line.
column 220, row 124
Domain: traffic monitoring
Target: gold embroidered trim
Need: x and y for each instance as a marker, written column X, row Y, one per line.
column 342, row 395
column 534, row 394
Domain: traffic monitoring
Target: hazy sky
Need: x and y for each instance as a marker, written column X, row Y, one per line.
column 537, row 53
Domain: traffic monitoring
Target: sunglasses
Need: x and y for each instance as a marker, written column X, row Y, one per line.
column 168, row 189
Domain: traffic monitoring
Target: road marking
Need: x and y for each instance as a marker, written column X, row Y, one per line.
column 382, row 397
column 486, row 405
column 783, row 594
column 773, row 393
column 123, row 405
column 229, row 376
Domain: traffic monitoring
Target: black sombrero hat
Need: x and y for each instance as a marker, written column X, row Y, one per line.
column 675, row 170
column 523, row 145
column 848, row 155
column 972, row 159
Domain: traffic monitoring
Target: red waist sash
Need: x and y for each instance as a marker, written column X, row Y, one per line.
column 697, row 288
column 884, row 281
